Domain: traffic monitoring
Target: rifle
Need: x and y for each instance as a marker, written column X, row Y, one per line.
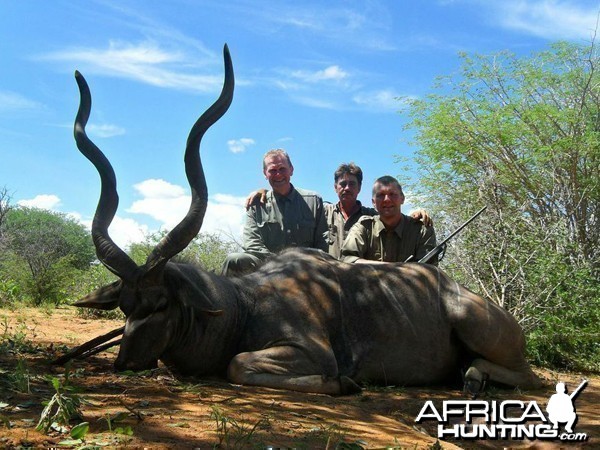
column 441, row 247
column 578, row 390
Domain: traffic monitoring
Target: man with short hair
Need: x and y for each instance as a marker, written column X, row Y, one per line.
column 289, row 217
column 390, row 236
column 346, row 212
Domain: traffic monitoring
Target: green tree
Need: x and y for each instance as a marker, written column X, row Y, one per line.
column 5, row 207
column 9, row 290
column 207, row 250
column 522, row 135
column 44, row 252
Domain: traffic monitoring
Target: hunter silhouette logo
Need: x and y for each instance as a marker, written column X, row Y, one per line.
column 560, row 407
column 507, row 419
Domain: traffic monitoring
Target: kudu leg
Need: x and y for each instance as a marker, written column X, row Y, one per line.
column 480, row 368
column 495, row 336
column 287, row 367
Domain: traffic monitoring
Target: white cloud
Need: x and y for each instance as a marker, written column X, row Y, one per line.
column 286, row 85
column 384, row 100
column 168, row 211
column 315, row 102
column 239, row 145
column 551, row 19
column 314, row 88
column 42, row 201
column 336, row 89
column 225, row 214
column 157, row 188
column 331, row 73
column 367, row 28
column 146, row 62
column 123, row 231
column 105, row 130
column 168, row 204
column 11, row 101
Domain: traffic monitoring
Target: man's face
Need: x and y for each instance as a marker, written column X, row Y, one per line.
column 278, row 173
column 347, row 188
column 387, row 200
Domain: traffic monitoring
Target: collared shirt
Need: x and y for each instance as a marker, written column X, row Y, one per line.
column 294, row 220
column 369, row 239
column 338, row 227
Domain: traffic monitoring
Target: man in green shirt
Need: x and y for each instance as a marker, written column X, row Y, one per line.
column 389, row 236
column 290, row 217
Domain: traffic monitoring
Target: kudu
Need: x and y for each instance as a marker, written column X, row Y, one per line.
column 303, row 321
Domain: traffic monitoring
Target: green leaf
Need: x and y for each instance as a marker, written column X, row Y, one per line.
column 70, row 442
column 55, row 383
column 179, row 425
column 99, row 444
column 127, row 431
column 79, row 431
column 5, row 421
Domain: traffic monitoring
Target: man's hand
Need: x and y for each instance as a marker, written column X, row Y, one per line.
column 260, row 195
column 421, row 214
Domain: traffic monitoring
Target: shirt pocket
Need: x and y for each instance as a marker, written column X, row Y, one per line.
column 305, row 232
column 272, row 234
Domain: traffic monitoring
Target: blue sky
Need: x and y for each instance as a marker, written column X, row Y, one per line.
column 320, row 79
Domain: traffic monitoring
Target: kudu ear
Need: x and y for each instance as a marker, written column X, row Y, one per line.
column 194, row 297
column 206, row 303
column 106, row 297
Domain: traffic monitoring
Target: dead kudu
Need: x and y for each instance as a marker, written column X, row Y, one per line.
column 303, row 321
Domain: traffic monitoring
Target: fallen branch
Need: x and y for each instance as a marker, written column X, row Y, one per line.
column 130, row 409
column 91, row 347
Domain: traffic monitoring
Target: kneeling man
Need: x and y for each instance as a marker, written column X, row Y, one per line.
column 390, row 236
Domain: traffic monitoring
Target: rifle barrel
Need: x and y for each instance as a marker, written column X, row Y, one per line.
column 438, row 248
column 579, row 388
column 459, row 229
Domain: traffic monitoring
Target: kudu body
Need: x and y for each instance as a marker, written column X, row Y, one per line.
column 303, row 321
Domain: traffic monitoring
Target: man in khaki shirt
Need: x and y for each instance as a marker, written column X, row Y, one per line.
column 346, row 212
column 390, row 236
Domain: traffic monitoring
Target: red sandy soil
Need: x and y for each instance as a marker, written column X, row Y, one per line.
column 157, row 410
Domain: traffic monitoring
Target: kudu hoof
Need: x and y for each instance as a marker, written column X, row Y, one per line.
column 348, row 386
column 475, row 382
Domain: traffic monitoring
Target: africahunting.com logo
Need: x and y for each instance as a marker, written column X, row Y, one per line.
column 508, row 419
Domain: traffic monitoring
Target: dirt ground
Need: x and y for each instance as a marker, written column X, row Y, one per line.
column 157, row 410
